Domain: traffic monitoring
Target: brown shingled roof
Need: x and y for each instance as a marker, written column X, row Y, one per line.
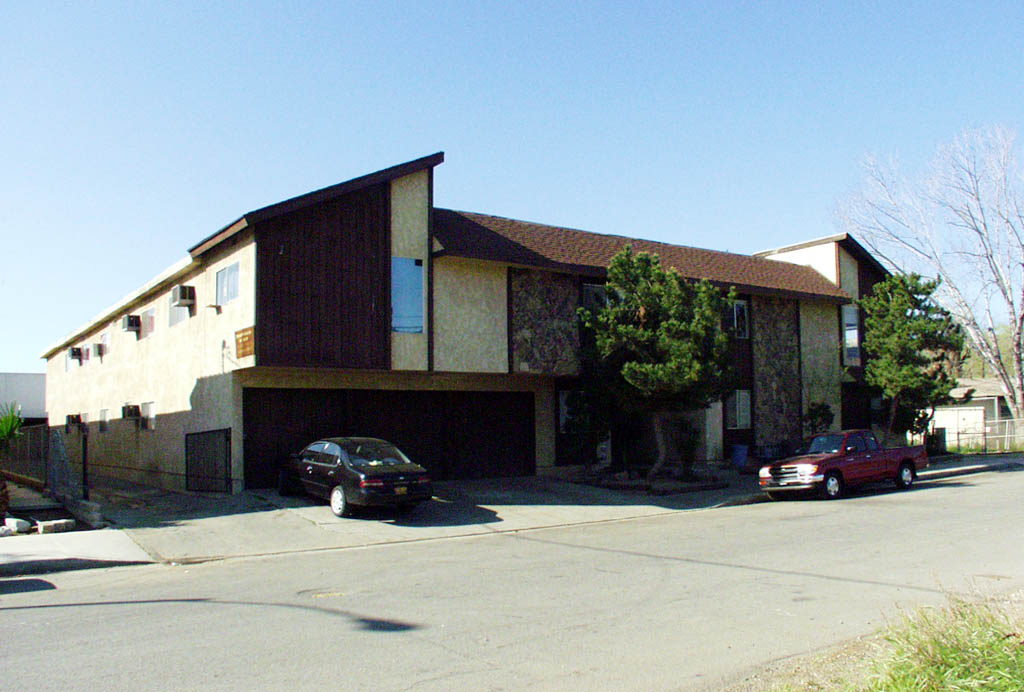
column 479, row 236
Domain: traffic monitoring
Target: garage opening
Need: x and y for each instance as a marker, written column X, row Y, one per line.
column 455, row 435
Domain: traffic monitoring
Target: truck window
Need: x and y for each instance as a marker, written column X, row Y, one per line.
column 855, row 443
column 872, row 443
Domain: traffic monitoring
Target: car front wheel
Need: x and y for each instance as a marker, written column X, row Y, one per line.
column 832, row 488
column 339, row 505
column 905, row 476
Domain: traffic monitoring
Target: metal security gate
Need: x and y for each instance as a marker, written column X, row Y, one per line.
column 208, row 461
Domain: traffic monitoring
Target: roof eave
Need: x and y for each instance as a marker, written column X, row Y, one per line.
column 310, row 198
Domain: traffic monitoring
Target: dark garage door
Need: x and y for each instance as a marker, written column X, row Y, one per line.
column 453, row 434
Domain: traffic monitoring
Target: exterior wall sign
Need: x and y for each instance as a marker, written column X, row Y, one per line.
column 245, row 342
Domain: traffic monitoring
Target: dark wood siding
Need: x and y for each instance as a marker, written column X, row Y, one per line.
column 323, row 284
column 452, row 434
column 741, row 354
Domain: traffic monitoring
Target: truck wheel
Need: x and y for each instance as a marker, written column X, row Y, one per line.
column 832, row 488
column 904, row 476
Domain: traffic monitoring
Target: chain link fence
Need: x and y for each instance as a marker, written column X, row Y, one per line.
column 1005, row 435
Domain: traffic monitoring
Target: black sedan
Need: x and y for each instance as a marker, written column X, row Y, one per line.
column 356, row 471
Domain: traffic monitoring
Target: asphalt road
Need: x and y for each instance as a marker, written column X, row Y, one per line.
column 690, row 600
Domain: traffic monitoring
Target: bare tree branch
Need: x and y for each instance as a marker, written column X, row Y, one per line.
column 964, row 224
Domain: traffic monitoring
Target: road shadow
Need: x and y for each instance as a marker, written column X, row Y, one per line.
column 9, row 586
column 878, row 489
column 438, row 512
column 359, row 621
column 15, row 568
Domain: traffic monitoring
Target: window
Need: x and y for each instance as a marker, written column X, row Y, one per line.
column 872, row 443
column 855, row 443
column 148, row 323
column 176, row 314
column 104, row 418
column 406, row 295
column 593, row 297
column 736, row 319
column 227, row 284
column 147, row 421
column 737, row 410
column 851, row 335
column 312, row 452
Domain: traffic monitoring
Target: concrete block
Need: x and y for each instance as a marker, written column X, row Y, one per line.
column 18, row 525
column 86, row 512
column 56, row 526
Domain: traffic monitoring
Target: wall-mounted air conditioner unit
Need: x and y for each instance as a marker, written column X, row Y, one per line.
column 131, row 323
column 75, row 353
column 131, row 411
column 183, row 296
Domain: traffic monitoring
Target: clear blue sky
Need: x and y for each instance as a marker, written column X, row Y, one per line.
column 131, row 131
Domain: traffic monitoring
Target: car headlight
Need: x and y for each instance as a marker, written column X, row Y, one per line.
column 765, row 472
column 806, row 469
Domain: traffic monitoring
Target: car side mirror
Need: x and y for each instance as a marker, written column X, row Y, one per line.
column 851, row 448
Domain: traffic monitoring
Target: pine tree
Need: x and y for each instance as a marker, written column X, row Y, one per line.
column 661, row 340
column 909, row 340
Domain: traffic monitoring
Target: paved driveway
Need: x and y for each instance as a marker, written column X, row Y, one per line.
column 177, row 527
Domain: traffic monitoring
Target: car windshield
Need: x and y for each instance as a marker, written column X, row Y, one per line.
column 374, row 453
column 825, row 444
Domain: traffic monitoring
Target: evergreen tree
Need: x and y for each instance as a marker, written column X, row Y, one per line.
column 909, row 340
column 660, row 343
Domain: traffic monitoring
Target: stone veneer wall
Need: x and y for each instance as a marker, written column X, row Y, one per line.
column 777, row 382
column 544, row 335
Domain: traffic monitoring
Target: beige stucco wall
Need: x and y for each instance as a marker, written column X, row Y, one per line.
column 470, row 316
column 543, row 389
column 821, row 258
column 848, row 277
column 410, row 204
column 184, row 370
column 819, row 356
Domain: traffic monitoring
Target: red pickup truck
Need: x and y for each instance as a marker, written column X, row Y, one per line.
column 836, row 461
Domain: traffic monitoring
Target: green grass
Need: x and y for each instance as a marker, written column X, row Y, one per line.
column 964, row 646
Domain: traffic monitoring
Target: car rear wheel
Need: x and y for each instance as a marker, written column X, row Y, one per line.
column 339, row 505
column 832, row 488
column 904, row 476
